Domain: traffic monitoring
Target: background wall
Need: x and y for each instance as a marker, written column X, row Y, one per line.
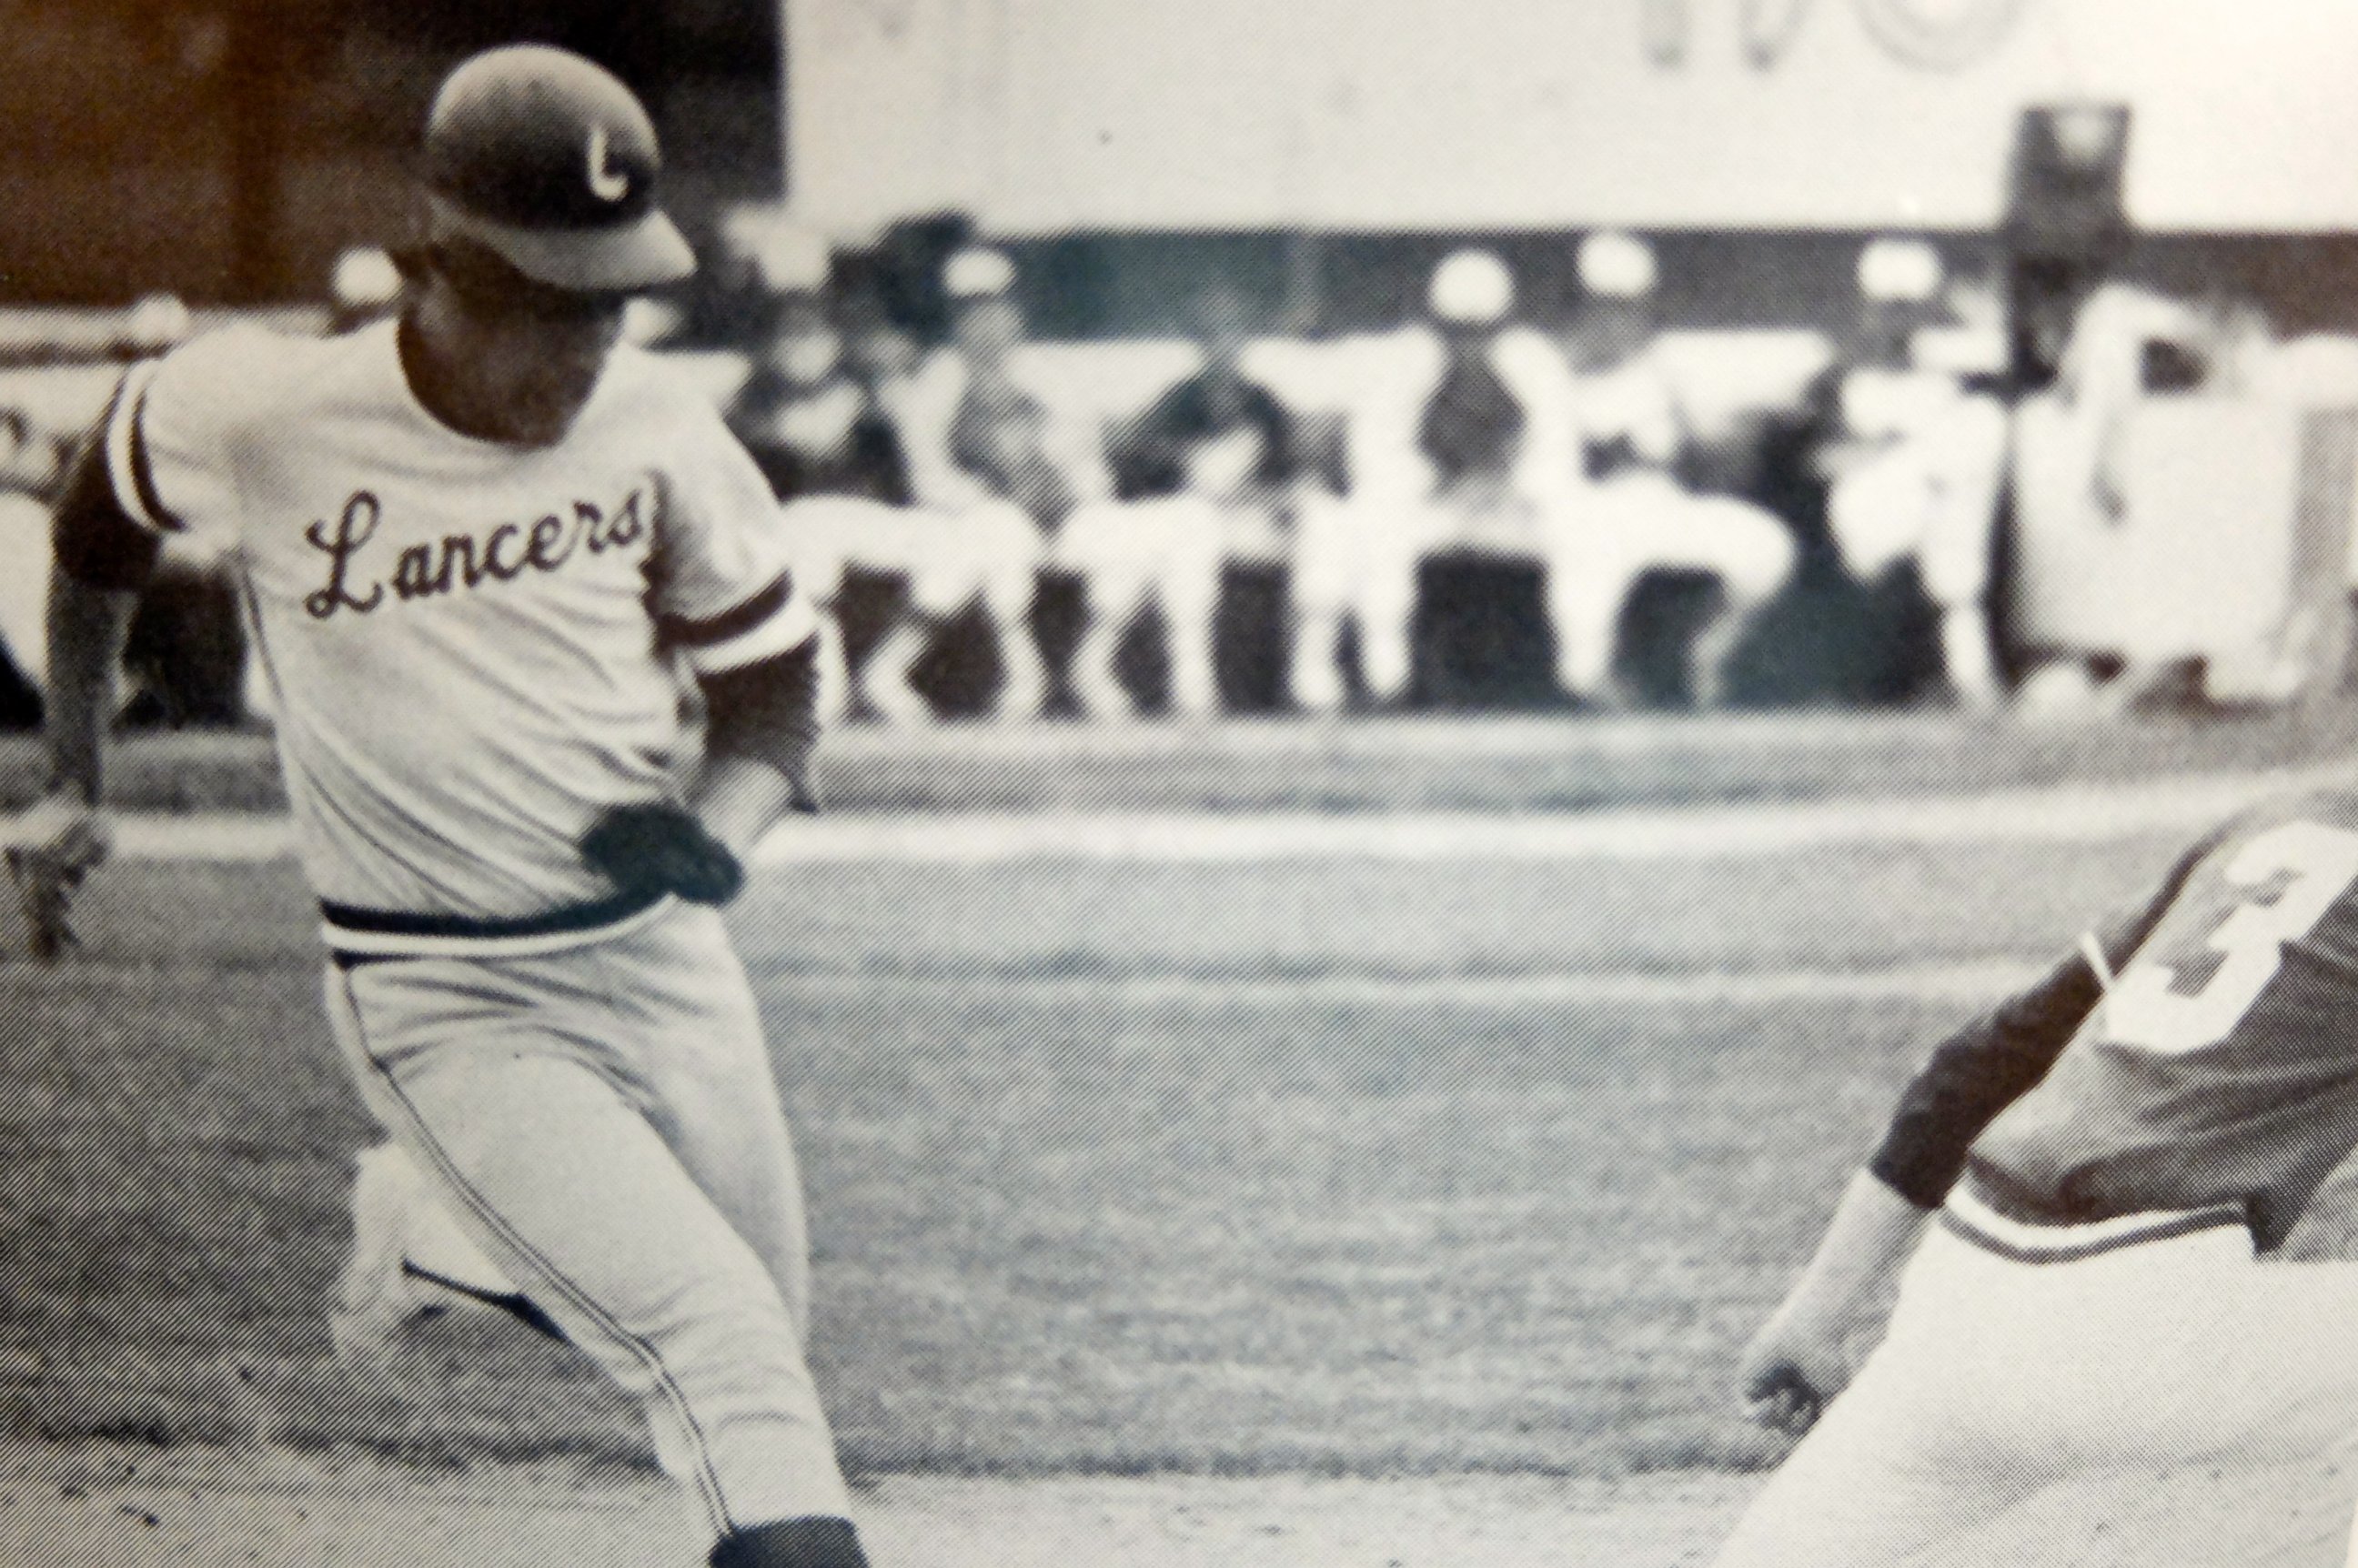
column 226, row 149
column 1051, row 115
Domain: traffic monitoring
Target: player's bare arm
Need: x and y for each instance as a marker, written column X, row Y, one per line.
column 1813, row 1343
column 1810, row 1346
column 102, row 558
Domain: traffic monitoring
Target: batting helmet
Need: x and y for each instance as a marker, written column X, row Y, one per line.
column 551, row 162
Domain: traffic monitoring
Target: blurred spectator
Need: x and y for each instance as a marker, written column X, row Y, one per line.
column 1914, row 465
column 881, row 355
column 1208, row 475
column 810, row 419
column 1631, row 516
column 365, row 285
column 1458, row 446
column 1473, row 426
column 817, row 430
column 2127, row 342
column 1002, row 468
column 1165, row 449
column 2128, row 345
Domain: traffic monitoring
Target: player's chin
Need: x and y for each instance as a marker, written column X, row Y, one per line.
column 542, row 413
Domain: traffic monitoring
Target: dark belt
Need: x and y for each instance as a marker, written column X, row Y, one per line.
column 565, row 919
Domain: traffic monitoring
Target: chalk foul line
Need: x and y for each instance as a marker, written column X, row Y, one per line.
column 2068, row 814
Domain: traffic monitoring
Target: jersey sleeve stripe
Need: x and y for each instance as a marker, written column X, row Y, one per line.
column 127, row 466
column 794, row 624
column 681, row 631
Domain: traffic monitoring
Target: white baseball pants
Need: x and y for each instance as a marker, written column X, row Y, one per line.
column 2157, row 1362
column 603, row 1122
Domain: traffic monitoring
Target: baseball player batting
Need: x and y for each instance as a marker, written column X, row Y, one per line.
column 483, row 546
column 2116, row 1278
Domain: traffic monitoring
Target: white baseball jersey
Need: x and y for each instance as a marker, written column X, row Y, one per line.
column 474, row 648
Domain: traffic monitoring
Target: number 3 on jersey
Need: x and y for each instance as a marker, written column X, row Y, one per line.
column 2307, row 866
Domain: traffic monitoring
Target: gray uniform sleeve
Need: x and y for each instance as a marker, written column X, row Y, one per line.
column 1985, row 1066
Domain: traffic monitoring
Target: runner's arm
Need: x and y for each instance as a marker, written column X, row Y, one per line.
column 762, row 727
column 102, row 558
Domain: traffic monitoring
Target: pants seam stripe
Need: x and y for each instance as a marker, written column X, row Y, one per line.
column 708, row 1479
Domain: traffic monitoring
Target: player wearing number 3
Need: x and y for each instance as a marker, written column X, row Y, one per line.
column 2093, row 1203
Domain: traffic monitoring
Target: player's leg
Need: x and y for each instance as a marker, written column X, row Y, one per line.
column 501, row 1080
column 999, row 551
column 2178, row 1357
column 1321, row 589
column 2269, row 1353
column 1913, row 1452
column 885, row 675
column 1392, row 543
column 713, row 1096
column 1187, row 587
column 913, row 543
column 828, row 530
column 1110, row 547
column 1968, row 462
column 1865, row 1490
column 837, row 689
column 1749, row 550
column 1588, row 564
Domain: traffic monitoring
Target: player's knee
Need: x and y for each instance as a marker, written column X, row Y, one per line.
column 1755, row 563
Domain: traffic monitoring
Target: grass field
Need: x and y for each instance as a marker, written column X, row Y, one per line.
column 1437, row 761
column 1327, row 1166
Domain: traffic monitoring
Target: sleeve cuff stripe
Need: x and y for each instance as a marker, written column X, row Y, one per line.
column 778, row 634
column 127, row 466
column 683, row 632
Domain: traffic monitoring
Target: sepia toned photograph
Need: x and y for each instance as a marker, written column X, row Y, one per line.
column 1265, row 784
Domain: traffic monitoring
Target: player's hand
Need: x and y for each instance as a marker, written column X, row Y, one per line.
column 1789, row 1372
column 1814, row 1342
column 658, row 847
column 50, row 849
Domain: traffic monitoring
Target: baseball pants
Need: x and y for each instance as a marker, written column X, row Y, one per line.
column 1999, row 1378
column 1599, row 545
column 1164, row 551
column 603, row 1122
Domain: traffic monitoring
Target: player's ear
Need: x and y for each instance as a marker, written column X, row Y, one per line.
column 411, row 240
column 413, row 262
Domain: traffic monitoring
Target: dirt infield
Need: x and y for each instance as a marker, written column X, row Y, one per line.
column 83, row 1505
column 94, row 1504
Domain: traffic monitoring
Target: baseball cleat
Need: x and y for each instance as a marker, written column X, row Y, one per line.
column 409, row 1261
column 372, row 1300
column 376, row 1298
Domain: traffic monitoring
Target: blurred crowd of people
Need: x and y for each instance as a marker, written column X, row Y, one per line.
column 1291, row 516
column 1470, row 508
